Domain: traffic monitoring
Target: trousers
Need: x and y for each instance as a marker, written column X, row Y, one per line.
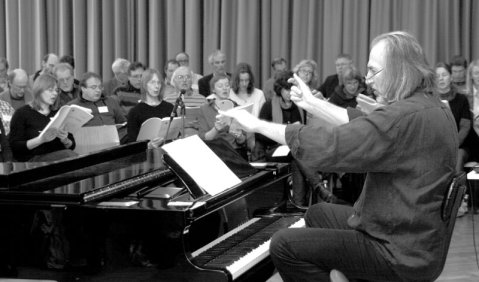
column 327, row 242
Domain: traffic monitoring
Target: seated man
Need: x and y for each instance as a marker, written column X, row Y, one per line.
column 69, row 90
column 130, row 95
column 169, row 69
column 105, row 110
column 120, row 78
column 48, row 62
column 278, row 65
column 18, row 94
column 184, row 60
column 217, row 60
column 182, row 80
column 330, row 83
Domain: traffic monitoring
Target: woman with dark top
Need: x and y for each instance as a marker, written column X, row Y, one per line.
column 459, row 106
column 28, row 121
column 280, row 109
column 151, row 105
column 210, row 127
column 345, row 94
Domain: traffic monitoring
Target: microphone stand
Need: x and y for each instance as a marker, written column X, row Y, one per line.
column 182, row 114
column 178, row 103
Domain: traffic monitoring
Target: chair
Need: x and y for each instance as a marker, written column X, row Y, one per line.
column 450, row 205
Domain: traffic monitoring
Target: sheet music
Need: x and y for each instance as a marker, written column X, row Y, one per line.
column 202, row 164
column 281, row 151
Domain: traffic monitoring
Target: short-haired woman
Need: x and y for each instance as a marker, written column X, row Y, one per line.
column 151, row 105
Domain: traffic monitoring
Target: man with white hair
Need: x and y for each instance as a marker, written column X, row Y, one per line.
column 18, row 93
column 182, row 81
column 120, row 72
column 217, row 61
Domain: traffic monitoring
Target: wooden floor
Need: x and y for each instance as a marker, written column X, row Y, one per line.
column 461, row 265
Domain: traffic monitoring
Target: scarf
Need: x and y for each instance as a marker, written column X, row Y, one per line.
column 277, row 112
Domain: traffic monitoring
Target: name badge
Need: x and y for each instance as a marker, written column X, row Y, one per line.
column 103, row 109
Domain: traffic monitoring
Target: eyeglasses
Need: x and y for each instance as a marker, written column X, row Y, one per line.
column 305, row 72
column 137, row 76
column 183, row 77
column 222, row 86
column 65, row 79
column 95, row 87
column 53, row 89
column 372, row 74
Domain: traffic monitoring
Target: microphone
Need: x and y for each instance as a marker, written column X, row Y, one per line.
column 178, row 102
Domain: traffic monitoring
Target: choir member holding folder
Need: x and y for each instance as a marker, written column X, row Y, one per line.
column 151, row 106
column 26, row 142
column 212, row 127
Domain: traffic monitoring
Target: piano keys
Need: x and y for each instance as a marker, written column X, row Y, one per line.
column 119, row 174
column 244, row 247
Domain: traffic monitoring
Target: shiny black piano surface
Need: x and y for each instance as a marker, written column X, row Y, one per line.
column 91, row 177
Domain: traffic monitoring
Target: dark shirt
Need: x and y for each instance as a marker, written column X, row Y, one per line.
column 66, row 97
column 207, row 119
column 105, row 111
column 290, row 115
column 27, row 124
column 129, row 97
column 17, row 103
column 328, row 86
column 339, row 98
column 409, row 151
column 460, row 108
column 141, row 112
column 111, row 85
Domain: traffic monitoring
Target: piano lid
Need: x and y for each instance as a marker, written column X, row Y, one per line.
column 13, row 174
column 100, row 180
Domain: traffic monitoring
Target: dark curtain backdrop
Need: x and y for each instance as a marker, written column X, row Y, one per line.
column 254, row 31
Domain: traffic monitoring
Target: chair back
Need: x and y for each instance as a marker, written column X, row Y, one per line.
column 451, row 203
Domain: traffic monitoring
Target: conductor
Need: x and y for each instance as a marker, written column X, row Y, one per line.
column 408, row 149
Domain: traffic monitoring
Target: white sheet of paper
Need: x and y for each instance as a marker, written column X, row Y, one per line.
column 202, row 164
column 281, row 151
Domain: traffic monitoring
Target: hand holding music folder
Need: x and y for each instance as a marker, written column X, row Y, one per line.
column 69, row 118
column 157, row 127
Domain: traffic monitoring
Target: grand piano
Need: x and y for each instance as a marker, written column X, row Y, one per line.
column 130, row 178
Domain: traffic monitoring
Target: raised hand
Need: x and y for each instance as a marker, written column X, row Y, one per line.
column 301, row 95
column 155, row 143
column 247, row 121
